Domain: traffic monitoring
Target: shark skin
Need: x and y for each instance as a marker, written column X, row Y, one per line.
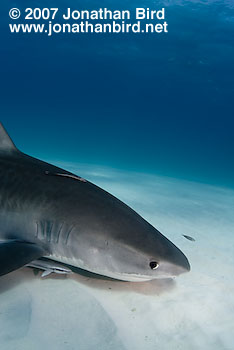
column 49, row 212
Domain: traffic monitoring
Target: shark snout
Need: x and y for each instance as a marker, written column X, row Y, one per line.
column 175, row 263
column 181, row 267
column 167, row 260
column 185, row 266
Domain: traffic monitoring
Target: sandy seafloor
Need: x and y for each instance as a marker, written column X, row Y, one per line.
column 194, row 311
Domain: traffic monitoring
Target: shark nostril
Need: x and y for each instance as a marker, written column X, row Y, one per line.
column 153, row 265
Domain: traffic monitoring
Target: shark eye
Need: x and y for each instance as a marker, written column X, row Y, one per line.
column 153, row 265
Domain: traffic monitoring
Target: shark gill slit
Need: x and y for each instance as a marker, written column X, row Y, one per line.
column 59, row 231
column 49, row 227
column 68, row 234
column 41, row 230
column 36, row 235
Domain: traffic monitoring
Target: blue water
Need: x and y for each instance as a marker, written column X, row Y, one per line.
column 158, row 107
column 154, row 103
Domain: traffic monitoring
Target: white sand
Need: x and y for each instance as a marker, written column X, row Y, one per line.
column 195, row 311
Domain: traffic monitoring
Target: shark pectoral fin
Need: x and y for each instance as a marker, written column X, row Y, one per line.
column 46, row 273
column 15, row 254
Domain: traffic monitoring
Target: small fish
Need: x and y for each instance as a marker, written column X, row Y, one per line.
column 48, row 267
column 189, row 238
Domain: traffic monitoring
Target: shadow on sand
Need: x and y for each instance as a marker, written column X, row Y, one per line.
column 91, row 280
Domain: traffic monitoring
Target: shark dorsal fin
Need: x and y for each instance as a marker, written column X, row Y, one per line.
column 6, row 143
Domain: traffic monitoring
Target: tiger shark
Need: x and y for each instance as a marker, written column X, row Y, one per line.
column 51, row 214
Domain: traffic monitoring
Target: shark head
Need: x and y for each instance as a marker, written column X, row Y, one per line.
column 118, row 243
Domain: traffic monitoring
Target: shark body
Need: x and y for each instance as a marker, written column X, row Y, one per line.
column 46, row 211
